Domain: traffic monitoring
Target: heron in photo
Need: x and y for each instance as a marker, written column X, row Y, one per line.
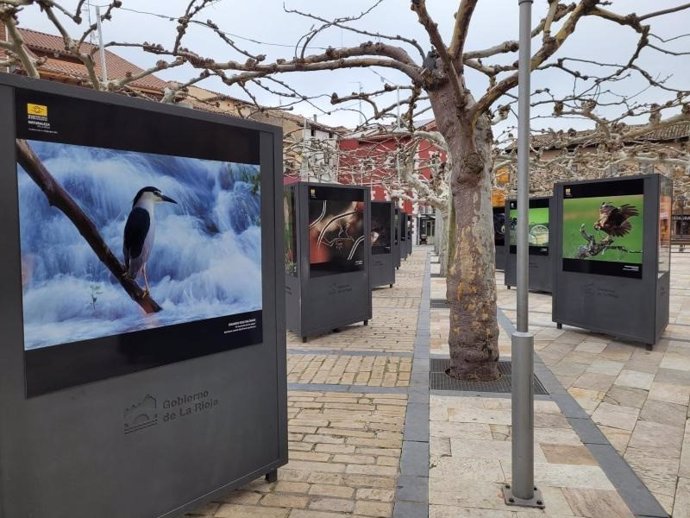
column 140, row 231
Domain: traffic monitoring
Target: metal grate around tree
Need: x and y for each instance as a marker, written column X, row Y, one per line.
column 439, row 380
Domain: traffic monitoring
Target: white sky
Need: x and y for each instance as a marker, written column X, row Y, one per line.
column 494, row 21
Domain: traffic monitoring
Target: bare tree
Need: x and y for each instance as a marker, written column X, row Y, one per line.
column 439, row 79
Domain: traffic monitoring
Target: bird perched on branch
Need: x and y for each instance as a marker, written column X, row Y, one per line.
column 614, row 220
column 140, row 230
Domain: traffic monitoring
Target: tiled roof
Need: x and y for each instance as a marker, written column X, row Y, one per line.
column 677, row 131
column 60, row 62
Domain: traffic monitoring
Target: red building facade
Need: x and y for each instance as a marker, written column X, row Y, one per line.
column 375, row 160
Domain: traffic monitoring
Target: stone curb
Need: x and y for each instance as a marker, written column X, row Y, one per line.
column 412, row 493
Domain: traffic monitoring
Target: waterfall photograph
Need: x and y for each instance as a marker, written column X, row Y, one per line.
column 186, row 230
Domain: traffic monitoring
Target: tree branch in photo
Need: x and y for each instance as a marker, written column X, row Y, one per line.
column 58, row 197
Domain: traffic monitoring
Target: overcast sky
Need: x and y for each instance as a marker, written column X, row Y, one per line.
column 494, row 22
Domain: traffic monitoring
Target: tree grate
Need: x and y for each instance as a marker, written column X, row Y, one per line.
column 438, row 303
column 439, row 380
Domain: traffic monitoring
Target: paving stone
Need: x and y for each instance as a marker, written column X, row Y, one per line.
column 635, row 379
column 331, row 490
column 567, row 454
column 608, row 367
column 596, row 503
column 246, row 511
column 378, row 509
column 664, row 438
column 284, row 500
column 664, row 412
column 616, row 416
column 571, row 476
column 626, row 396
column 594, row 381
column 332, row 504
column 679, row 394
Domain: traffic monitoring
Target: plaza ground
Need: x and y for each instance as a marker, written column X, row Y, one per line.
column 368, row 437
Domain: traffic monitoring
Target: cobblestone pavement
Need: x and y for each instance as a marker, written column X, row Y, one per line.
column 357, row 423
column 344, row 447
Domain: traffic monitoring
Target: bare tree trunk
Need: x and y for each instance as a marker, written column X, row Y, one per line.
column 471, row 284
column 59, row 198
column 443, row 226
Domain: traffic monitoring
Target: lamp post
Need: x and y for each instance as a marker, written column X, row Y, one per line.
column 521, row 491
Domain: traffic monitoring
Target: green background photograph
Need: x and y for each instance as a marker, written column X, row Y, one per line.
column 538, row 226
column 586, row 210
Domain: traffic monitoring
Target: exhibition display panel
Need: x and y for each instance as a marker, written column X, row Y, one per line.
column 540, row 272
column 382, row 268
column 499, row 214
column 612, row 245
column 121, row 353
column 409, row 233
column 328, row 287
column 397, row 244
column 402, row 232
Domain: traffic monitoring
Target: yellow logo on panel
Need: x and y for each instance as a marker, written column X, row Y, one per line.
column 36, row 109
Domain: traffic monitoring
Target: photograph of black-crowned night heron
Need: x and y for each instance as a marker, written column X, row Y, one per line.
column 140, row 231
column 205, row 261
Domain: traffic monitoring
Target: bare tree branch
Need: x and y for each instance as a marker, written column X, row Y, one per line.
column 61, row 199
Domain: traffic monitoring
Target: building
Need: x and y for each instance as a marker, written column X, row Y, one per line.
column 394, row 164
column 310, row 148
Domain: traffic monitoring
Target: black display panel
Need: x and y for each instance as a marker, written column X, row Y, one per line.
column 603, row 227
column 499, row 214
column 336, row 230
column 396, row 226
column 380, row 228
column 100, row 297
column 665, row 214
column 403, row 226
column 290, row 231
column 538, row 221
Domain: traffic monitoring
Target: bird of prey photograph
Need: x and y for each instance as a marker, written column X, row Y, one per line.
column 616, row 221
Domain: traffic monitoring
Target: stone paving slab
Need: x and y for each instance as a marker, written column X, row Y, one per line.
column 376, row 371
column 471, row 459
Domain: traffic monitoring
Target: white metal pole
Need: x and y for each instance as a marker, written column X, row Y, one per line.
column 101, row 50
column 522, row 491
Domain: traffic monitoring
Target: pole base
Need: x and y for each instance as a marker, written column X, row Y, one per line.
column 510, row 499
